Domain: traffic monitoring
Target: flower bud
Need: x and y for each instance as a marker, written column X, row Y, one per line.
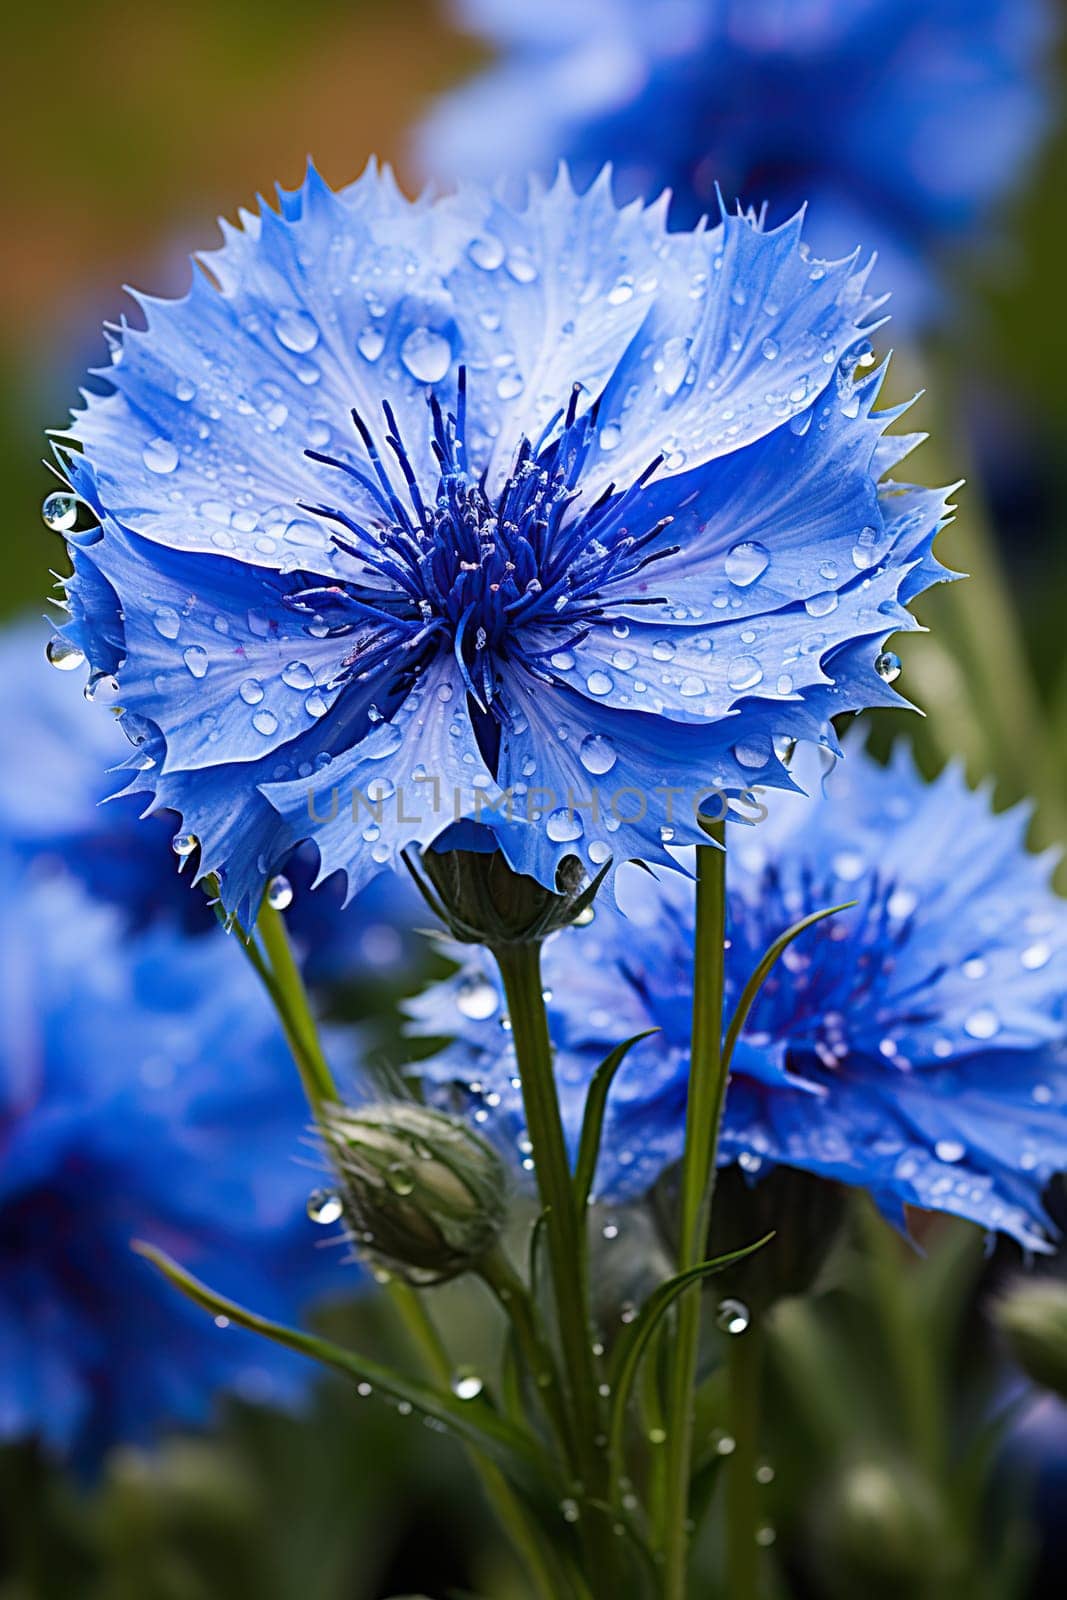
column 881, row 1533
column 805, row 1214
column 483, row 900
column 423, row 1194
column 1033, row 1319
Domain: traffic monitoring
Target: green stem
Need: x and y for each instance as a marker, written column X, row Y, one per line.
column 278, row 970
column 285, row 985
column 742, row 1489
column 518, row 1306
column 707, row 1092
column 520, row 970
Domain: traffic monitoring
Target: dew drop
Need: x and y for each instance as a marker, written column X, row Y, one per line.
column 597, row 754
column 563, row 825
column 744, row 673
column 486, row 252
column 160, row 455
column 732, row 1316
column 848, row 865
column 467, row 1385
column 251, row 691
column 746, row 562
column 769, row 349
column 477, row 998
column 196, row 659
column 279, row 893
column 296, row 331
column 427, row 355
column 102, row 685
column 298, row 675
column 66, row 657
column 949, row 1150
column 371, row 343
column 887, row 666
column 324, row 1206
column 863, row 551
column 60, row 511
column 982, row 1024
column 265, row 722
column 821, row 605
column 599, row 683
column 183, row 845
column 1036, row 956
column 509, row 386
column 400, row 1179
column 167, row 622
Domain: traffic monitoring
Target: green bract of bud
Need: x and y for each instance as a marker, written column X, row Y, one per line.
column 1033, row 1319
column 481, row 899
column 424, row 1195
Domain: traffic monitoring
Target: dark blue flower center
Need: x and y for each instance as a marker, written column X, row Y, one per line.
column 518, row 575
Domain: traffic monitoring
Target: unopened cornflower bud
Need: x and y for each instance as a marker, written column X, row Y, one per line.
column 1033, row 1319
column 424, row 1196
column 481, row 899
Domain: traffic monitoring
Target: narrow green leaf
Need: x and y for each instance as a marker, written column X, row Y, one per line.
column 470, row 1420
column 759, row 977
column 593, row 1118
column 626, row 1357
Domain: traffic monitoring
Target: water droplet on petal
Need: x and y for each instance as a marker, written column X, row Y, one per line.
column 563, row 825
column 60, row 511
column 744, row 672
column 599, row 683
column 160, row 455
column 196, row 659
column 183, row 845
column 279, row 893
column 1036, row 956
column 597, row 753
column 821, row 605
column 66, row 656
column 746, row 562
column 296, row 331
column 265, row 722
column 949, row 1150
column 251, row 691
column 324, row 1206
column 486, row 252
column 982, row 1024
column 370, row 343
column 887, row 666
column 298, row 675
column 427, row 355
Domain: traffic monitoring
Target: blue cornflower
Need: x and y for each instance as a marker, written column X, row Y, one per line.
column 145, row 1090
column 57, row 760
column 439, row 511
column 902, row 122
column 914, row 1046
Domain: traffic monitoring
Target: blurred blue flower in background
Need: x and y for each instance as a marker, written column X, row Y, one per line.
column 914, row 1045
column 57, row 761
column 145, row 1090
column 438, row 503
column 902, row 122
